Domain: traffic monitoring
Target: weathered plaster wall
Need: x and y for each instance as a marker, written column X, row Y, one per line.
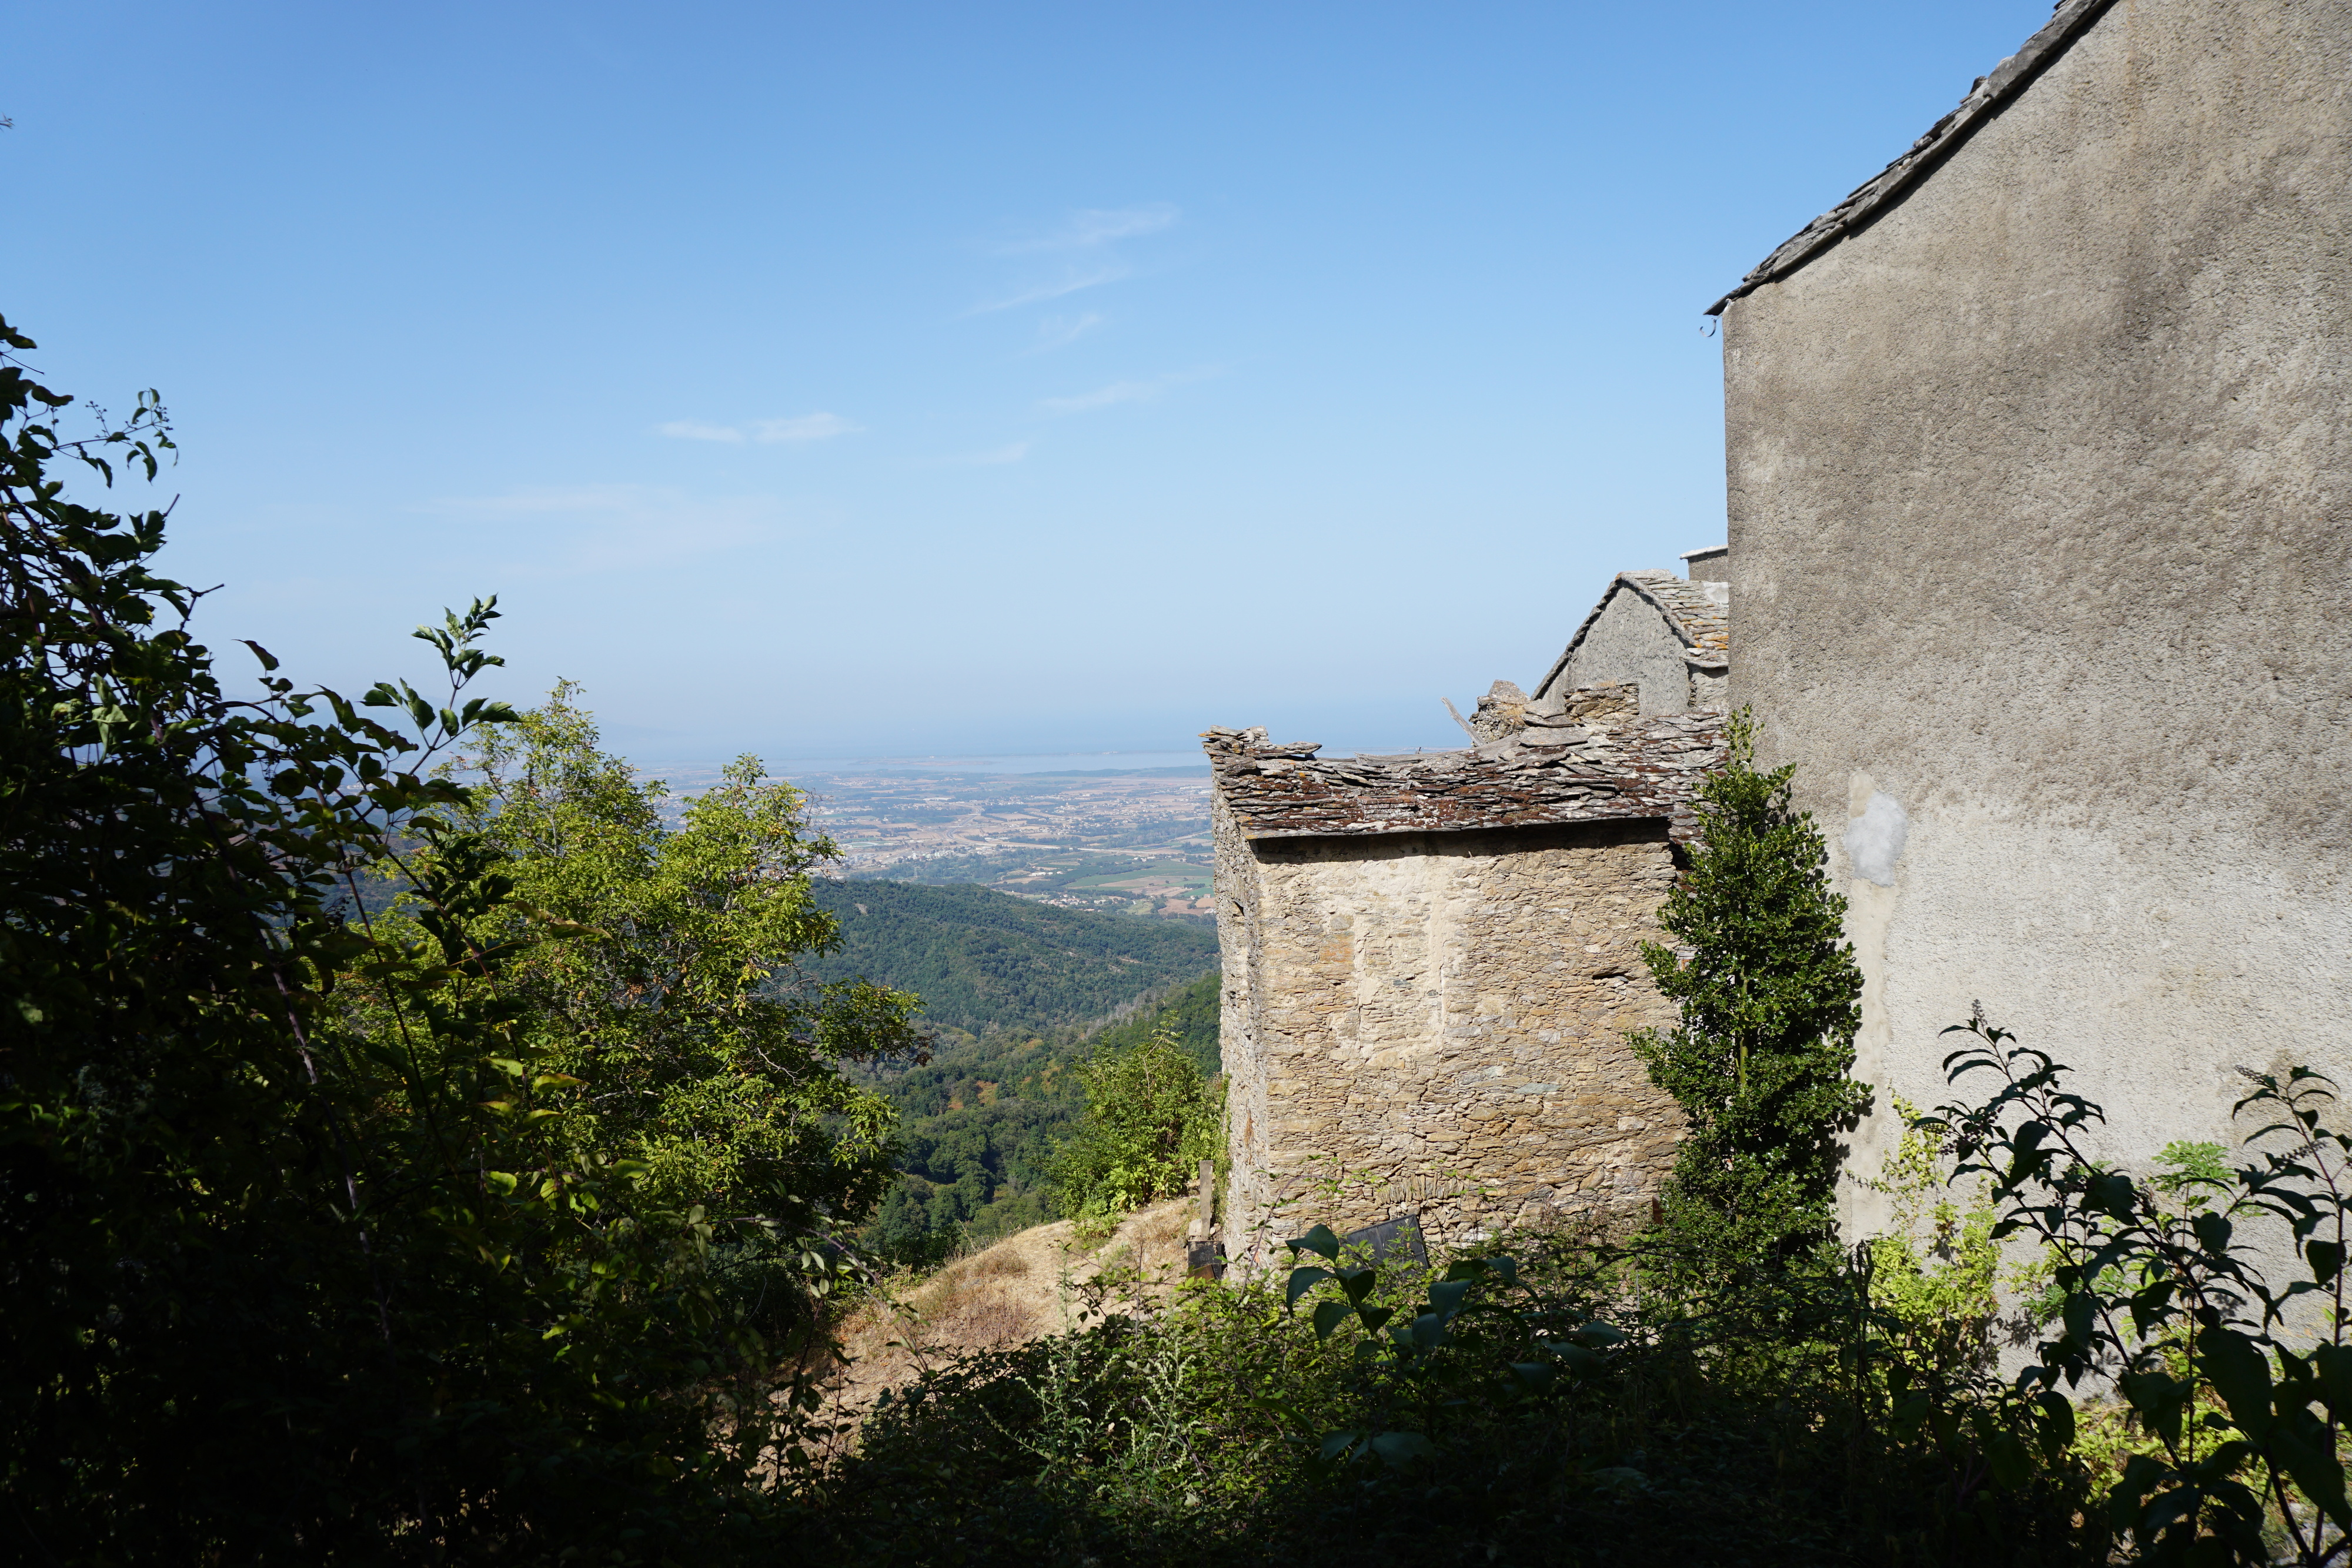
column 1434, row 1021
column 2039, row 496
column 1629, row 642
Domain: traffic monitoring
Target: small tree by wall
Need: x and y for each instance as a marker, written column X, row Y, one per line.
column 1150, row 1119
column 1769, row 998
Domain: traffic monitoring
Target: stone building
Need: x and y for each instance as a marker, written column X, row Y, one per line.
column 2040, row 451
column 1431, row 961
column 1669, row 636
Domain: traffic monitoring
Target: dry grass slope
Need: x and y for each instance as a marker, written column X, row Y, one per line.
column 1034, row 1282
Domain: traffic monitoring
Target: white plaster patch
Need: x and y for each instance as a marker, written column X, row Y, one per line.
column 1873, row 840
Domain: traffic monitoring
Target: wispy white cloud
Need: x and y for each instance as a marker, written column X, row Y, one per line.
column 806, row 427
column 1054, row 331
column 1101, row 397
column 1070, row 282
column 1084, row 241
column 800, row 429
column 689, row 429
column 565, row 531
column 1121, row 391
column 994, row 456
column 1092, row 226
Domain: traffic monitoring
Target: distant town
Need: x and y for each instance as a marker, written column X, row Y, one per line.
column 1134, row 841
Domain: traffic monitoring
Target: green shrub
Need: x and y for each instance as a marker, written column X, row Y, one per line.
column 1936, row 1270
column 1770, row 999
column 1542, row 1405
column 2238, row 1396
column 321, row 1243
column 1150, row 1119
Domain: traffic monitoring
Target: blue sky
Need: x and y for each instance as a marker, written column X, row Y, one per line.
column 900, row 379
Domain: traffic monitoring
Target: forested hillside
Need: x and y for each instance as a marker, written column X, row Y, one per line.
column 980, row 1120
column 983, row 960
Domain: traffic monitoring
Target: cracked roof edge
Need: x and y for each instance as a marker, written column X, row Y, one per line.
column 1668, row 595
column 1992, row 93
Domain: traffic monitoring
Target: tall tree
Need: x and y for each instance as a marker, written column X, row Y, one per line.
column 1770, row 999
column 306, row 1256
column 677, row 1032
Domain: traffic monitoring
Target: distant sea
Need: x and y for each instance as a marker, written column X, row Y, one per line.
column 1165, row 764
column 1048, row 762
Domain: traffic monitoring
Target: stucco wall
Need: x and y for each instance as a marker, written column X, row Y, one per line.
column 1630, row 642
column 2038, row 498
column 1431, row 1024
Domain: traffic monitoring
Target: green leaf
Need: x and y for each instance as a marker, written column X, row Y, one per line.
column 1319, row 1241
column 2110, row 1193
column 2142, row 1474
column 2080, row 1315
column 2157, row 1399
column 2327, row 1258
column 1536, row 1376
column 1577, row 1358
column 2056, row 1428
column 1398, row 1449
column 1446, row 1298
column 2241, row 1373
column 2007, row 1458
column 2320, row 1475
column 1301, row 1281
column 2333, row 1363
column 1330, row 1315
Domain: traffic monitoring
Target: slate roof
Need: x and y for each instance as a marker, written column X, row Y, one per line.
column 1990, row 94
column 1702, row 624
column 1647, row 768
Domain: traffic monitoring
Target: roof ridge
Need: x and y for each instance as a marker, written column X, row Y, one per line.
column 1673, row 613
column 1643, row 581
column 1989, row 94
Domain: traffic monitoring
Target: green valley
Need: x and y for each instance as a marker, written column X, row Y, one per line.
column 985, row 961
column 1015, row 993
column 979, row 1122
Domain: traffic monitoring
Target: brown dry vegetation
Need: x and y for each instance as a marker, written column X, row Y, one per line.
column 1034, row 1282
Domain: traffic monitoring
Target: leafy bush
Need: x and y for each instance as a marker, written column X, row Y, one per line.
column 1545, row 1403
column 1936, row 1270
column 2241, row 1412
column 1151, row 1120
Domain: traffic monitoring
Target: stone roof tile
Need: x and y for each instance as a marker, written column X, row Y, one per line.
column 1647, row 768
column 1990, row 94
column 1698, row 613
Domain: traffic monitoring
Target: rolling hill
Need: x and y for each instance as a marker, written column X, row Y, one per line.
column 1016, row 992
column 984, row 961
column 978, row 1122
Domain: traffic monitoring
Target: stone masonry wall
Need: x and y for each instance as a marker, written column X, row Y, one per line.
column 1431, row 1024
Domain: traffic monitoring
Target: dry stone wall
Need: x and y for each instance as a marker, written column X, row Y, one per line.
column 1430, row 1024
